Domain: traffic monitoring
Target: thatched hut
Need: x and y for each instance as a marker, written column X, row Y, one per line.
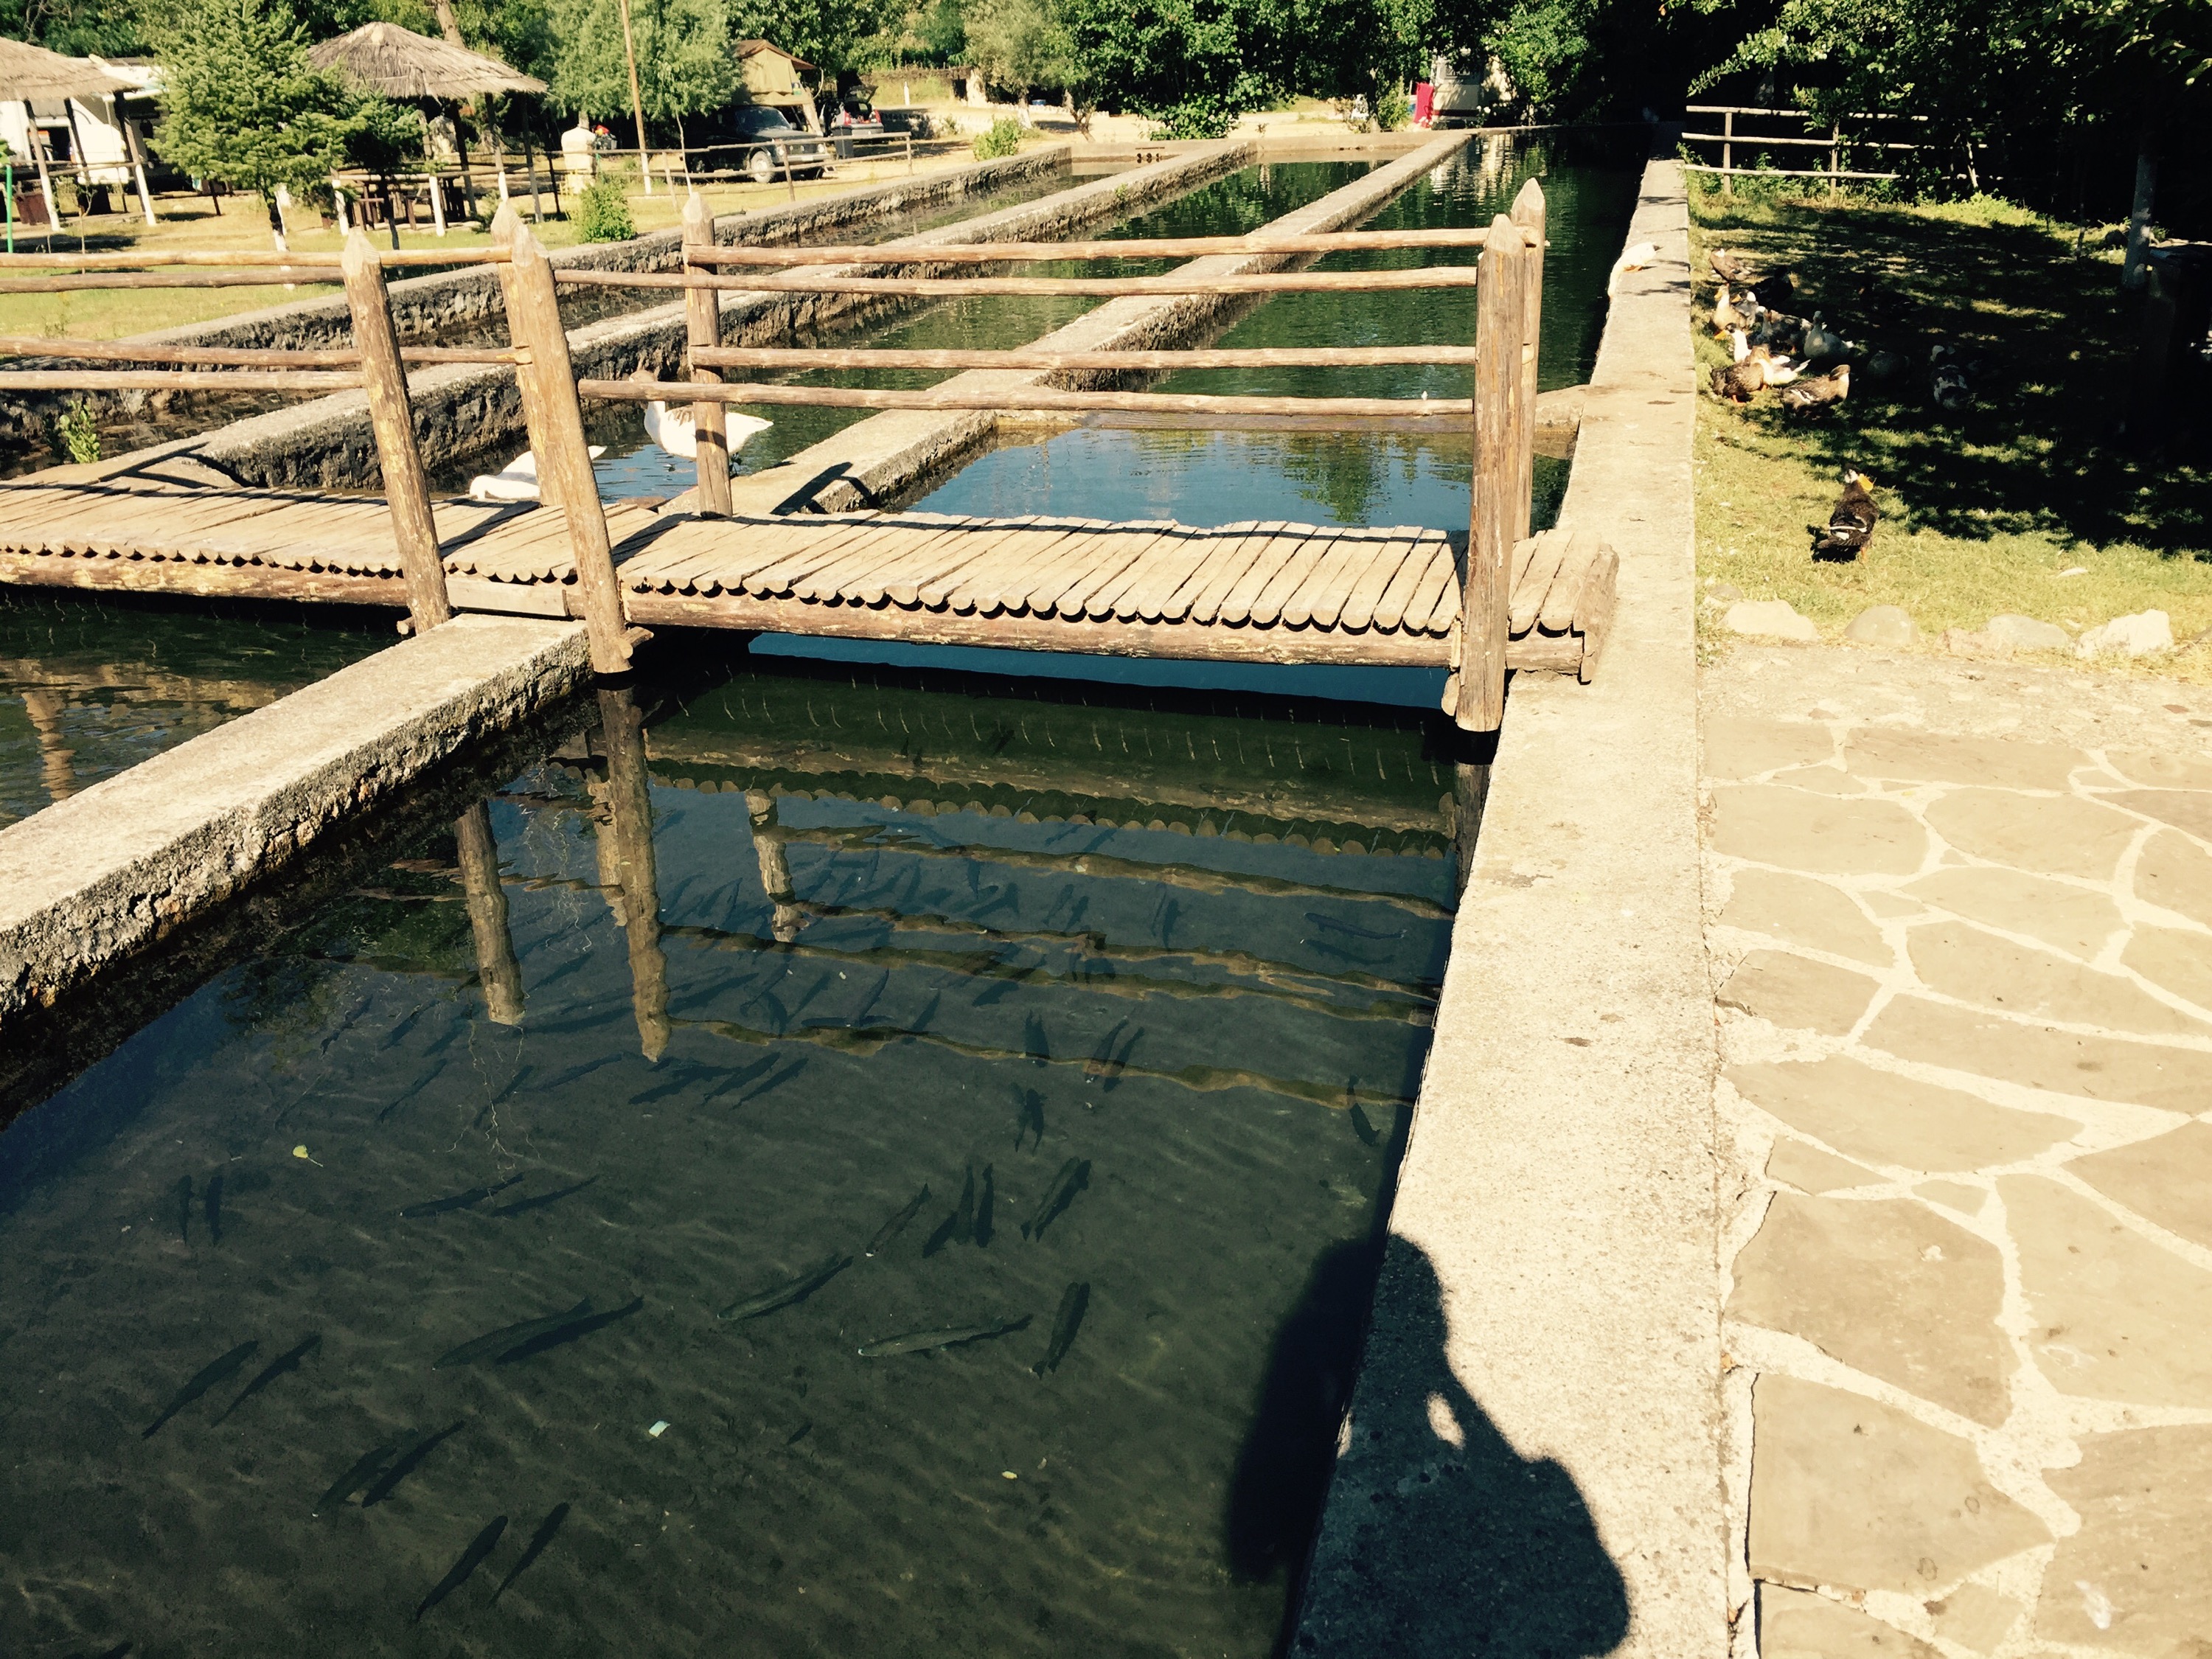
column 30, row 75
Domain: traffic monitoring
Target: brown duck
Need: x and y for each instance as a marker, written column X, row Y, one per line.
column 1851, row 522
column 1820, row 390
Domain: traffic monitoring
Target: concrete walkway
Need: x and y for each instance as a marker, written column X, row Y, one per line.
column 1960, row 920
column 1530, row 1465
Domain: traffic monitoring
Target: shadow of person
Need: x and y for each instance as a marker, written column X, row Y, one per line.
column 1430, row 1534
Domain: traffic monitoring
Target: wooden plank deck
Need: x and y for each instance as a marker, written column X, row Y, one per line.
column 1275, row 592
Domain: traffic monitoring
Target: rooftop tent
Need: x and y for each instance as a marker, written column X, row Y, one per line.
column 778, row 79
column 401, row 63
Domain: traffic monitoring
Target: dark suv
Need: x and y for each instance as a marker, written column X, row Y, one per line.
column 761, row 132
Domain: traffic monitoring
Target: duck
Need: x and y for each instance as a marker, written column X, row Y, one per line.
column 677, row 432
column 1632, row 259
column 1780, row 371
column 1851, row 521
column 1727, row 320
column 1753, row 369
column 1730, row 268
column 1820, row 391
column 1879, row 364
column 515, row 481
column 1948, row 383
column 1821, row 341
column 1775, row 291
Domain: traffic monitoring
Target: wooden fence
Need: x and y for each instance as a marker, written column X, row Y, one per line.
column 1840, row 145
column 1508, row 280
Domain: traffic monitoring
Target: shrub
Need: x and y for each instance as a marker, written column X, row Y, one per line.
column 1004, row 138
column 603, row 212
column 1393, row 109
column 1193, row 118
column 77, row 434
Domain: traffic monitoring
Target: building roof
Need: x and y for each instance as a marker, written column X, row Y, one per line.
column 401, row 63
column 30, row 72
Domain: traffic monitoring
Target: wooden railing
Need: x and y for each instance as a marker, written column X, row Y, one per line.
column 1836, row 141
column 1508, row 280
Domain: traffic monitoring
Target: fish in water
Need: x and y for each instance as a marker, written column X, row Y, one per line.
column 355, row 1478
column 1035, row 1044
column 219, row 1371
column 798, row 1433
column 1335, row 926
column 288, row 1361
column 1065, row 1324
column 522, row 1205
column 560, row 1335
column 534, row 1548
column 1102, row 1057
column 1074, row 1176
column 964, row 1213
column 407, row 1463
column 458, row 1201
column 945, row 1231
column 1029, row 1118
column 1364, row 1127
column 1108, row 1064
column 923, row 1341
column 979, row 1234
column 791, row 1290
column 471, row 1557
column 212, row 1207
column 184, row 1208
column 896, row 1223
column 492, row 1343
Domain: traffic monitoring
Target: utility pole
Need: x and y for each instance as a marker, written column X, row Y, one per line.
column 636, row 103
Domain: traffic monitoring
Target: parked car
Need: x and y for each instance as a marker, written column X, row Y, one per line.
column 911, row 120
column 761, row 132
column 849, row 121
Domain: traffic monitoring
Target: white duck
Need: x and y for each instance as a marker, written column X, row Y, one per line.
column 1633, row 258
column 677, row 432
column 515, row 481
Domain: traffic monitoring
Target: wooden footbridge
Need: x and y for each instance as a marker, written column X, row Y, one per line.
column 1252, row 592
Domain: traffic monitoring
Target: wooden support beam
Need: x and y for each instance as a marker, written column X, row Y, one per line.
column 629, row 810
column 931, row 287
column 1479, row 704
column 1197, row 404
column 806, row 357
column 393, row 418
column 1141, row 247
column 1528, row 214
column 327, row 264
column 702, row 329
column 131, row 351
column 556, row 433
column 497, row 966
column 318, row 381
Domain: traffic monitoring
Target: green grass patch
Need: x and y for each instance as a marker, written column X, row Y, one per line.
column 1986, row 510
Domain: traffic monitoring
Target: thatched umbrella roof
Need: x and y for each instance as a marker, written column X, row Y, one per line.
column 401, row 63
column 29, row 72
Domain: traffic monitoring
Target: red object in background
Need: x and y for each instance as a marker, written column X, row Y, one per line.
column 1425, row 102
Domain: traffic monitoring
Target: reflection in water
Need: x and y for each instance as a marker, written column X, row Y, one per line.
column 1115, row 1000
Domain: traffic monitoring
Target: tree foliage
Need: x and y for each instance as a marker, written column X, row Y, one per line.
column 683, row 60
column 830, row 33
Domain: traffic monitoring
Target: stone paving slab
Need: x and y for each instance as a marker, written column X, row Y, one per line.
column 1960, row 922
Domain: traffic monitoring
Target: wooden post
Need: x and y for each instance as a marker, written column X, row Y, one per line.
column 1528, row 214
column 702, row 324
column 137, row 157
column 629, row 810
column 438, row 200
column 636, row 102
column 790, row 178
column 394, row 419
column 487, row 900
column 556, row 433
column 1483, row 601
column 1728, row 152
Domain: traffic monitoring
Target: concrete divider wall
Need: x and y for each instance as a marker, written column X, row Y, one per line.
column 890, row 453
column 1531, row 1462
column 467, row 410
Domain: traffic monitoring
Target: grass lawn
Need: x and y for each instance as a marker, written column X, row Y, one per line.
column 2022, row 503
column 191, row 222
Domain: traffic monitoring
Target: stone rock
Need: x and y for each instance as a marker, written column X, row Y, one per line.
column 1964, row 962
column 1736, row 748
column 1975, row 1616
column 1813, row 1170
column 2165, row 1179
column 1797, row 991
column 2025, row 634
column 1802, row 831
column 1975, row 647
column 2117, row 1317
column 2065, row 1063
column 2075, row 921
column 1881, row 1118
column 2137, row 635
column 1889, row 1288
column 1882, row 624
column 1955, row 1195
column 1770, row 619
column 2060, row 836
column 1804, row 911
column 1828, row 779
column 1884, row 751
column 2178, row 961
column 2158, row 769
column 2134, row 1580
column 2184, row 808
column 1798, row 1625
column 2176, row 874
column 1722, row 592
column 1855, row 1495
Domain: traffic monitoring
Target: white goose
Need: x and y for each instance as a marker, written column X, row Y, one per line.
column 515, row 481
column 675, row 429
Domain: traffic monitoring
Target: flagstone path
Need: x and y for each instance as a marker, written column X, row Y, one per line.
column 1959, row 919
